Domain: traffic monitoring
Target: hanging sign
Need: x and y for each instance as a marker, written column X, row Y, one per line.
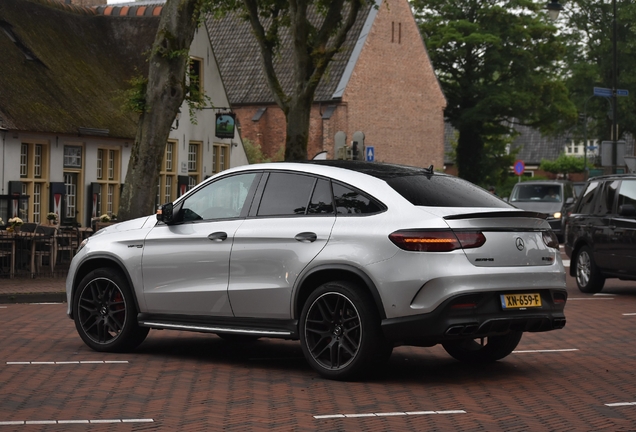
column 225, row 125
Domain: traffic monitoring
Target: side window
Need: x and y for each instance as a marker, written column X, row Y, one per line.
column 322, row 199
column 350, row 201
column 606, row 201
column 587, row 199
column 221, row 199
column 286, row 194
column 627, row 193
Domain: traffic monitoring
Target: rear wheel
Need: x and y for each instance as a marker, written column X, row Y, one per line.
column 340, row 332
column 105, row 314
column 483, row 350
column 588, row 277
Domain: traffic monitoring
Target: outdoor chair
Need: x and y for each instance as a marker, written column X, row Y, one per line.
column 44, row 245
column 68, row 239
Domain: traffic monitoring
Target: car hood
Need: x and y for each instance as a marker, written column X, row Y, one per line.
column 133, row 224
column 541, row 207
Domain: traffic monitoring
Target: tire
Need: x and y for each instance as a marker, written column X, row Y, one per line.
column 588, row 277
column 485, row 350
column 105, row 314
column 340, row 332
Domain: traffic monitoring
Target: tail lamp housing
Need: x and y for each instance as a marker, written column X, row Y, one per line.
column 436, row 240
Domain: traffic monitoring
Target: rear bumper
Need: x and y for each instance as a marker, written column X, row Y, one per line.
column 487, row 318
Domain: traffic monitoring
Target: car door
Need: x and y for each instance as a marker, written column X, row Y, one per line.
column 623, row 224
column 287, row 228
column 185, row 264
column 601, row 228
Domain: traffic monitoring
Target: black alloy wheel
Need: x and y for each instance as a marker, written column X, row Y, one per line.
column 483, row 350
column 105, row 314
column 340, row 332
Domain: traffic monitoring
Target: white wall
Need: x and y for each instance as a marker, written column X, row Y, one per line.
column 203, row 131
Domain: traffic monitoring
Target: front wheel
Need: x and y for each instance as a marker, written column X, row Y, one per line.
column 340, row 332
column 483, row 350
column 105, row 314
column 588, row 277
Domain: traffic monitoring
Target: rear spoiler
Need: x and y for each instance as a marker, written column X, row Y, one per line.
column 498, row 214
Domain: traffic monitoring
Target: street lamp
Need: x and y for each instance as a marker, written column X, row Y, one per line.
column 554, row 7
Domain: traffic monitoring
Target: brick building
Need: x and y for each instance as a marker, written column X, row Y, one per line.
column 382, row 84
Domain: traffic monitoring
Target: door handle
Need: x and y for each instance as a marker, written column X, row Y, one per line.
column 306, row 237
column 218, row 236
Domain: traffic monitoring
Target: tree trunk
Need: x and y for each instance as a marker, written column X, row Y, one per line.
column 297, row 130
column 470, row 150
column 165, row 93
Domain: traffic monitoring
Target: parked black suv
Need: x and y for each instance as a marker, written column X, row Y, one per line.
column 600, row 234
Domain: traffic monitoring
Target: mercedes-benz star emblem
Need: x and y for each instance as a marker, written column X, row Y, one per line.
column 519, row 243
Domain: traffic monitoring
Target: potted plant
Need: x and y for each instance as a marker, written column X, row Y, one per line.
column 52, row 218
column 14, row 224
column 104, row 218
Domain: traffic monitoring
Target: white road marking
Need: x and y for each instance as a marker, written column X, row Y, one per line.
column 620, row 404
column 49, row 303
column 603, row 294
column 96, row 421
column 69, row 362
column 566, row 263
column 629, row 314
column 545, row 351
column 387, row 414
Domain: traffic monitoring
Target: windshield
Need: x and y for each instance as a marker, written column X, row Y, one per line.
column 536, row 193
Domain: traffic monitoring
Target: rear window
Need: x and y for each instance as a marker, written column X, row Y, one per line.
column 536, row 192
column 443, row 191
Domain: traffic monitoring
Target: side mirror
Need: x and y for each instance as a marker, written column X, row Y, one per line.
column 165, row 214
column 570, row 200
column 627, row 210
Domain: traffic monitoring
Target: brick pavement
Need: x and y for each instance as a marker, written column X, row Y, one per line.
column 33, row 290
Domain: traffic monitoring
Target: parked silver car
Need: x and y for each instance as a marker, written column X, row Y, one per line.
column 351, row 258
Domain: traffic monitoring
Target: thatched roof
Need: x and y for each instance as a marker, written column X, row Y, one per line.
column 65, row 67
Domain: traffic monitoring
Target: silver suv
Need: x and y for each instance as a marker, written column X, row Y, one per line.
column 349, row 257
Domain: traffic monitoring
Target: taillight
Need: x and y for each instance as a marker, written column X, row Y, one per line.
column 436, row 241
column 550, row 239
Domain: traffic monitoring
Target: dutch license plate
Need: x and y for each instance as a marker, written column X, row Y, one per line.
column 520, row 301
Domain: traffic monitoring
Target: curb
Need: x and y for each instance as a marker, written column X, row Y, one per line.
column 53, row 297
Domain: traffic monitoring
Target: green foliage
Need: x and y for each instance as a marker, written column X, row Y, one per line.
column 497, row 159
column 255, row 153
column 588, row 26
column 497, row 62
column 563, row 165
column 134, row 98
